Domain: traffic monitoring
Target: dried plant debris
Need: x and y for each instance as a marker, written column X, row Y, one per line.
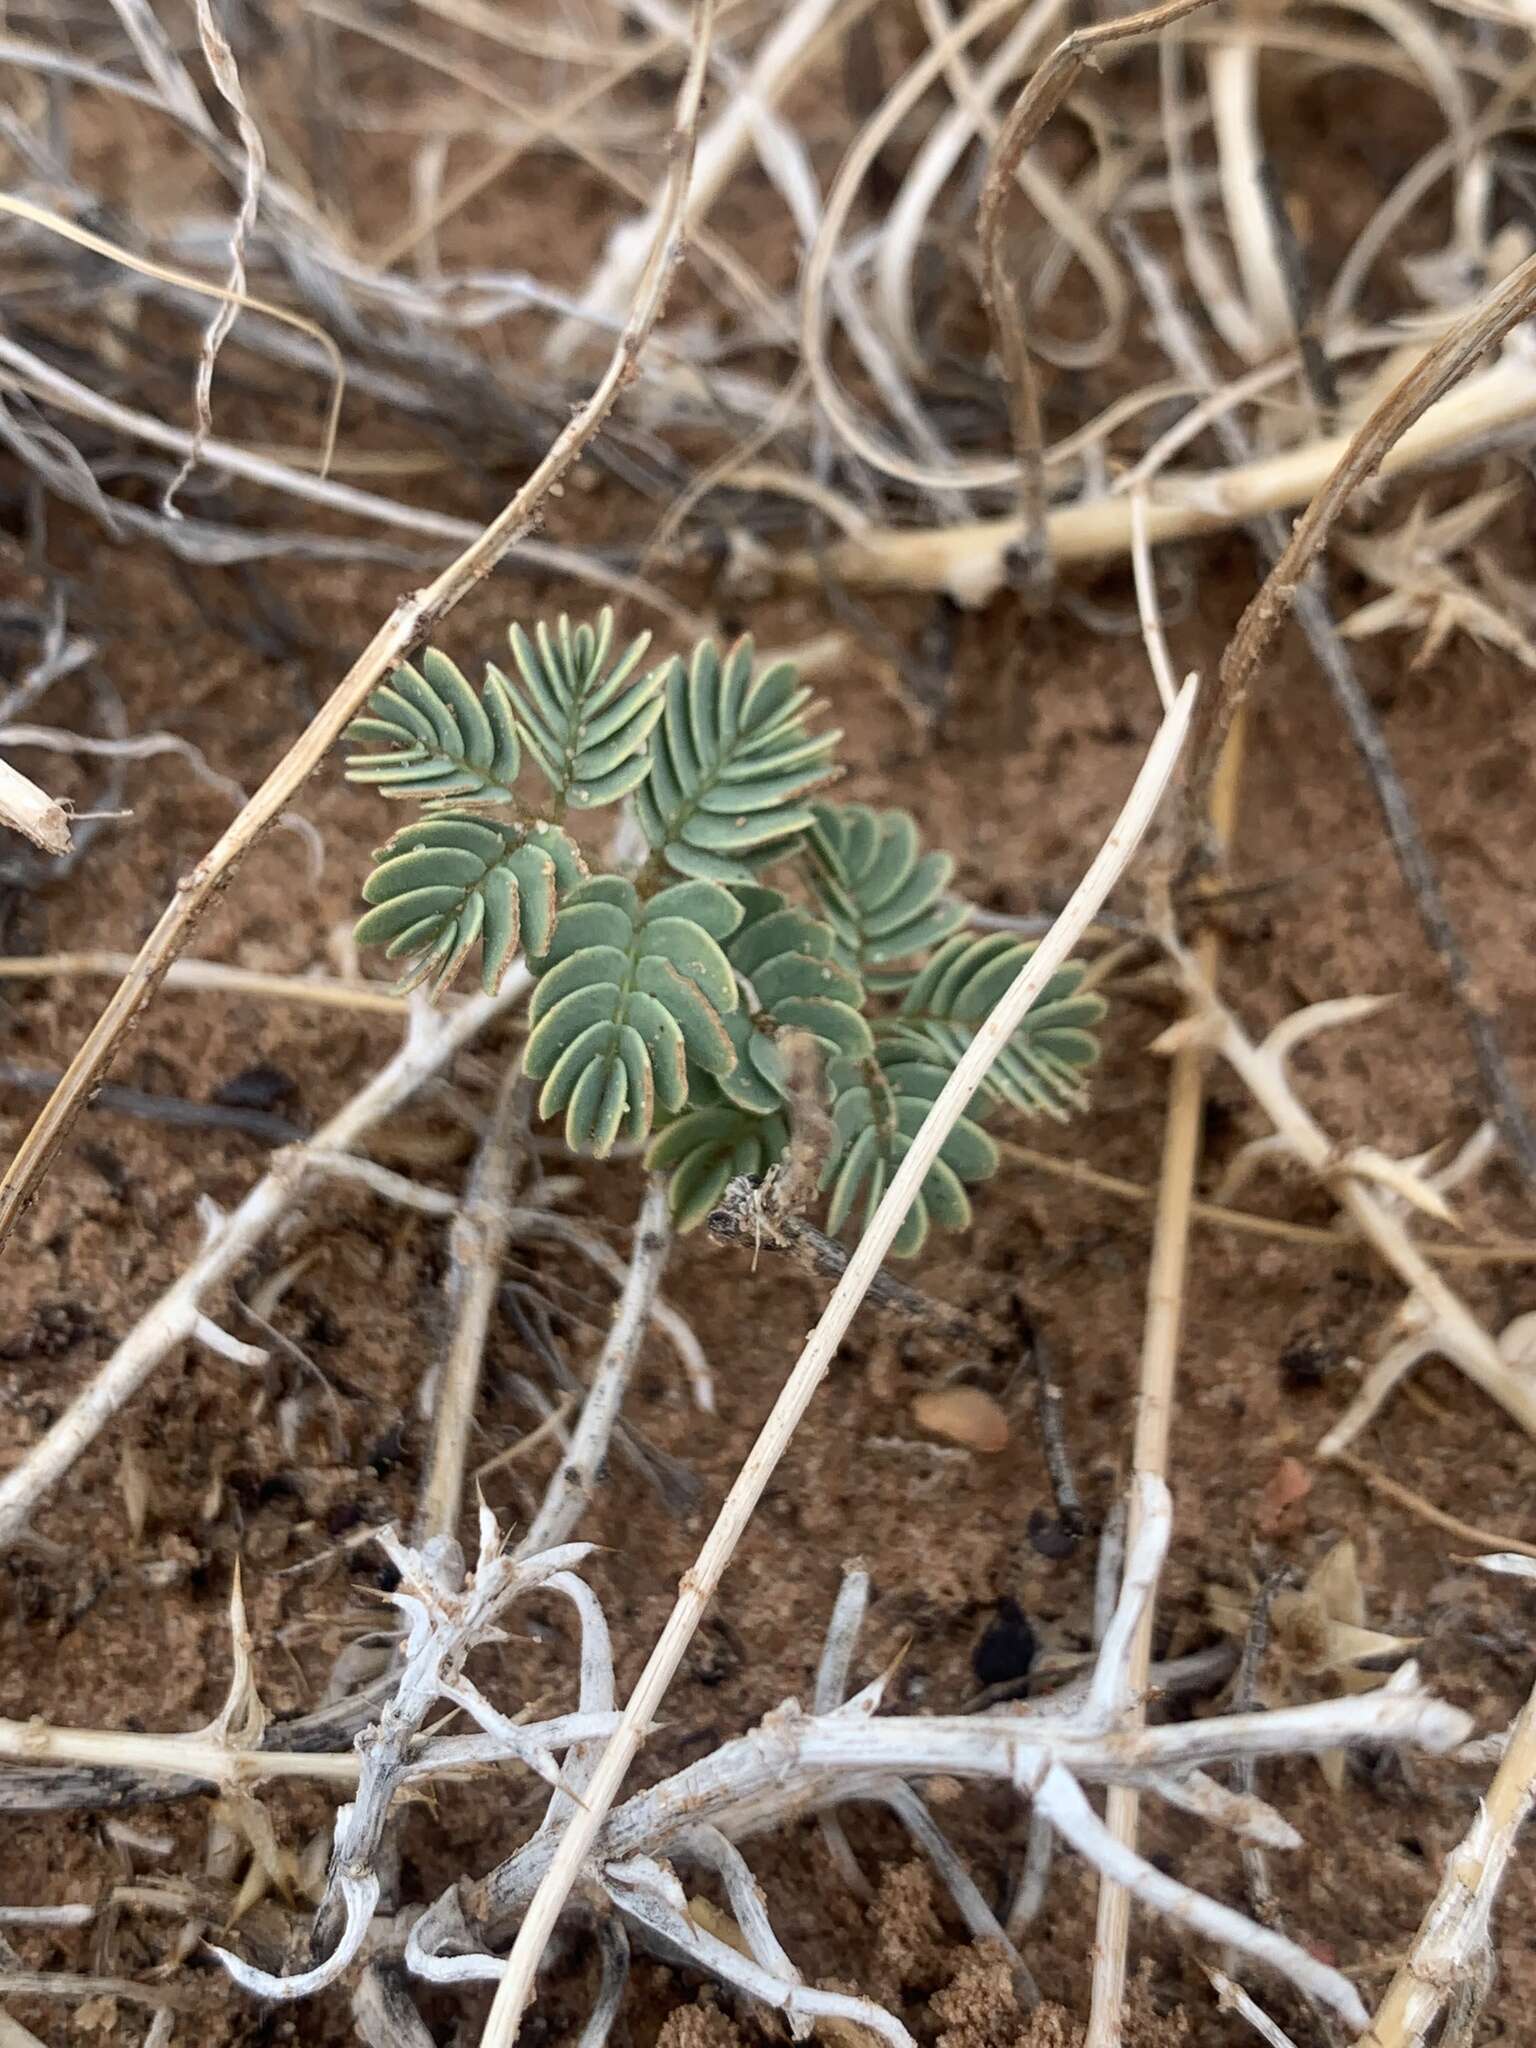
column 1048, row 1751
column 1317, row 1632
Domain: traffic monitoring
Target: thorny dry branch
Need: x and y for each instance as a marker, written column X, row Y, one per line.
column 796, row 1764
column 1364, row 1182
column 1313, row 615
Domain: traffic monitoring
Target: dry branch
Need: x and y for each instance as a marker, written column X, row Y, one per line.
column 582, row 1459
column 447, row 1614
column 1154, row 1405
column 477, row 1243
column 324, row 991
column 970, row 562
column 1453, row 1951
column 1247, row 1222
column 1313, row 615
column 1034, row 107
column 795, row 1764
column 1441, row 1321
column 32, row 811
column 1408, row 408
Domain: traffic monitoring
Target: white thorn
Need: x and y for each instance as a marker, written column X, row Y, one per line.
column 1398, row 1176
column 207, row 1332
column 1326, row 1016
column 1247, row 1161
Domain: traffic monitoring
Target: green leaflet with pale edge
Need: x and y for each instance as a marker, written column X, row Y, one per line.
column 455, row 880
column 882, row 896
column 731, row 765
column 629, row 996
column 586, row 724
column 784, row 957
column 443, row 743
column 1042, row 1067
column 878, row 1108
column 664, row 1017
column 707, row 1148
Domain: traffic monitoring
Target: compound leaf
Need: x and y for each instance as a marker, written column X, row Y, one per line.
column 454, row 880
column 882, row 897
column 442, row 744
column 731, row 764
column 783, row 958
column 629, row 996
column 587, row 724
column 1043, row 1065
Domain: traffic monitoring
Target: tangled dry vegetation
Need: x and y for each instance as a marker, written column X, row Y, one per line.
column 913, row 311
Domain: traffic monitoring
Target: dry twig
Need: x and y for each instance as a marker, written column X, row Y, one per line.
column 797, row 1763
column 1045, row 92
column 215, row 977
column 477, row 1243
column 1154, row 1405
column 1451, row 1960
column 581, row 1461
column 1357, row 1177
column 32, row 811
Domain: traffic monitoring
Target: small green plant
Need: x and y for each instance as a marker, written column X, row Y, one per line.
column 661, row 993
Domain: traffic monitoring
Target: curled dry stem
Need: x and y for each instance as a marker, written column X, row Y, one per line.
column 1033, row 108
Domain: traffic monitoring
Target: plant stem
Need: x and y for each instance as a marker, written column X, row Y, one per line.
column 581, row 1461
column 1455, row 1931
column 326, row 993
column 477, row 1244
column 970, row 561
column 430, row 1042
column 1154, row 1411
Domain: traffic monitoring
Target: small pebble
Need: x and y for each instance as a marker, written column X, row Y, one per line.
column 965, row 1415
